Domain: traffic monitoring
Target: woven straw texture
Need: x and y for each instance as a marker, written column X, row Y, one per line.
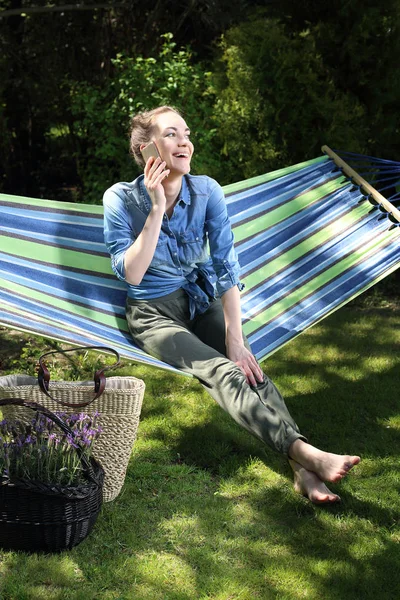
column 119, row 407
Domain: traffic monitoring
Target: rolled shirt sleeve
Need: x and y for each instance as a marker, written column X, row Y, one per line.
column 196, row 243
column 223, row 254
column 118, row 234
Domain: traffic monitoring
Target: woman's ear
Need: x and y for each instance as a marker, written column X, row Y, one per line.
column 142, row 146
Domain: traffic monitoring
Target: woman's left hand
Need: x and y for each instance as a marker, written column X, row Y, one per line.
column 246, row 362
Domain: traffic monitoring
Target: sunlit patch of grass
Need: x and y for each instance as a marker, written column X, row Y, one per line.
column 206, row 513
column 253, row 475
column 161, row 573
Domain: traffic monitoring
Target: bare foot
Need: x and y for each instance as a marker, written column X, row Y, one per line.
column 309, row 484
column 328, row 466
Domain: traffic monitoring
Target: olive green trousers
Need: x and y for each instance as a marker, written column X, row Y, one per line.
column 162, row 328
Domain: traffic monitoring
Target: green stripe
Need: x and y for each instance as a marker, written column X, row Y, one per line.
column 304, row 247
column 70, row 307
column 98, row 209
column 271, row 218
column 79, row 330
column 116, row 345
column 40, row 203
column 317, row 282
column 54, row 255
column 39, row 319
column 263, row 356
column 248, row 183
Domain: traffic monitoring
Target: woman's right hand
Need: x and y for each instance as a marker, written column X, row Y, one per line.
column 154, row 174
column 140, row 254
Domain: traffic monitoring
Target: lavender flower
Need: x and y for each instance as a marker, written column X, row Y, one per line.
column 41, row 451
column 71, row 441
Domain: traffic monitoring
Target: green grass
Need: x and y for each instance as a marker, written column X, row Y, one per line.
column 208, row 513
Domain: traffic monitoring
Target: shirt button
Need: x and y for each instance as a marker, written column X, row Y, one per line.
column 175, row 254
column 197, row 239
column 195, row 297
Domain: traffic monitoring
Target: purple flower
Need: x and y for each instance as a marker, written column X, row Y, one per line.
column 4, row 426
column 71, row 419
column 40, row 450
column 61, row 414
column 86, row 441
column 53, row 439
column 71, row 441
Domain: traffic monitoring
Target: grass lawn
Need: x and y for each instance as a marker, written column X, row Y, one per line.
column 208, row 513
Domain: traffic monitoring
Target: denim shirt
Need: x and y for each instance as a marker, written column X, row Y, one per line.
column 195, row 248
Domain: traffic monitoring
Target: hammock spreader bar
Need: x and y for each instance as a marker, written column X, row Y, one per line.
column 365, row 187
column 306, row 238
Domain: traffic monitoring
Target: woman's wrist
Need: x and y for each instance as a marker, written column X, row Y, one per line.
column 233, row 338
column 156, row 209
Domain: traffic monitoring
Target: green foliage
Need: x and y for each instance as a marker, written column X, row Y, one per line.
column 292, row 76
column 21, row 352
column 296, row 76
column 279, row 103
column 36, row 53
column 360, row 43
column 102, row 115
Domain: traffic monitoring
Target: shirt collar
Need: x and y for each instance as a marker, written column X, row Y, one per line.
column 184, row 194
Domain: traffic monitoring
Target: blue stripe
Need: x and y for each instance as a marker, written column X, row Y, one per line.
column 90, row 293
column 313, row 308
column 109, row 283
column 269, row 196
column 270, row 243
column 62, row 317
column 275, row 288
column 83, row 338
column 95, row 247
column 105, row 294
column 44, row 215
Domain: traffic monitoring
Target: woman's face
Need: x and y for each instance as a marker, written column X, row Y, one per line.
column 172, row 138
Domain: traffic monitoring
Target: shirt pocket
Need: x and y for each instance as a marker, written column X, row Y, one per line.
column 193, row 246
column 161, row 254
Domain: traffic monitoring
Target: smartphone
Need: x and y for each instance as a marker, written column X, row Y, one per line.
column 150, row 150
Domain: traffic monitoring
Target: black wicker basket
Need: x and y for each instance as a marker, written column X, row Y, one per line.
column 40, row 517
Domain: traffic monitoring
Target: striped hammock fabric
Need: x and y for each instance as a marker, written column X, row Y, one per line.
column 309, row 239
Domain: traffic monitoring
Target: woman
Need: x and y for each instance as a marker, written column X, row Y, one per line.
column 183, row 304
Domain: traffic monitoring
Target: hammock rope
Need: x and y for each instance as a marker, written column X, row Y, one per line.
column 365, row 187
column 310, row 238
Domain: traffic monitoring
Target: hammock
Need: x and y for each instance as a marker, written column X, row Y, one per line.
column 309, row 237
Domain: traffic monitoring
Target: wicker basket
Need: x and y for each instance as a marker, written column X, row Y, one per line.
column 119, row 406
column 42, row 517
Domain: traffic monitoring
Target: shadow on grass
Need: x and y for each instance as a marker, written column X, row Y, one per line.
column 199, row 518
column 12, row 344
column 357, row 389
column 186, row 545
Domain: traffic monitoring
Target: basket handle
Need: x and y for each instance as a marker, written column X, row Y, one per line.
column 99, row 378
column 63, row 426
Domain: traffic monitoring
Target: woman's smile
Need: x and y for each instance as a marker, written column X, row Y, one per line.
column 172, row 137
